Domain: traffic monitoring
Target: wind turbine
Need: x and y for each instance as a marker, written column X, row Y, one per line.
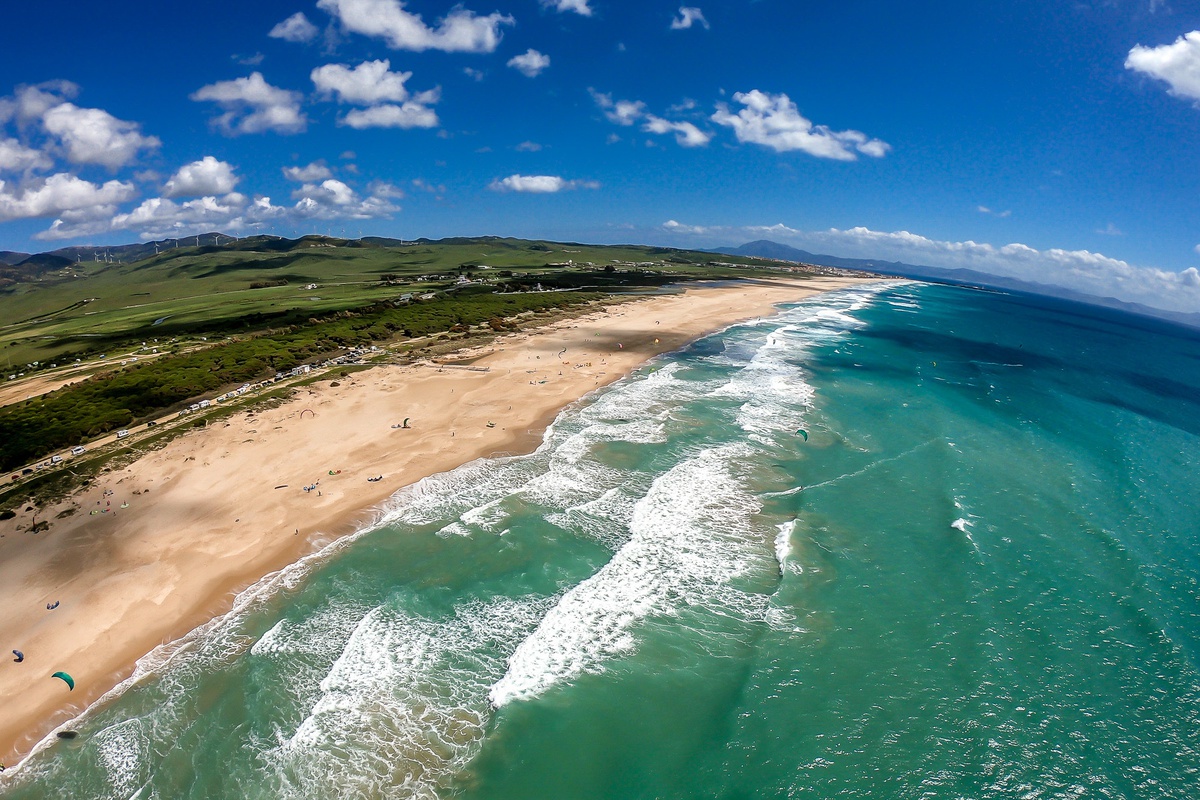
column 155, row 248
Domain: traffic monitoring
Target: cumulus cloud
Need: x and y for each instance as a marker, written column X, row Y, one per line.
column 671, row 226
column 773, row 121
column 369, row 83
column 252, row 105
column 295, row 28
column 686, row 133
column 578, row 6
column 460, row 31
column 333, row 199
column 16, row 157
column 413, row 114
column 530, row 63
column 539, row 184
column 208, row 176
column 60, row 193
column 160, row 217
column 1178, row 64
column 30, row 103
column 620, row 112
column 93, row 136
column 316, row 171
column 627, row 112
column 688, row 16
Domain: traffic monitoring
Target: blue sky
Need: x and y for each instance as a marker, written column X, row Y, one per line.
column 1053, row 141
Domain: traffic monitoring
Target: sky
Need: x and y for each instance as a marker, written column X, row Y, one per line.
column 1048, row 140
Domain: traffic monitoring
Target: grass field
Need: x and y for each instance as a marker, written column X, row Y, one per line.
column 186, row 292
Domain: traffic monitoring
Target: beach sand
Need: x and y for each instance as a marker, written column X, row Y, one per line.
column 157, row 548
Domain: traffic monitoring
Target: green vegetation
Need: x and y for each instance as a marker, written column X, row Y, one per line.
column 92, row 307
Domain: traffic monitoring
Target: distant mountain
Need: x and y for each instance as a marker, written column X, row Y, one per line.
column 10, row 258
column 764, row 248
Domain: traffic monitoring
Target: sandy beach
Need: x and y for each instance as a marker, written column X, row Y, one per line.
column 152, row 550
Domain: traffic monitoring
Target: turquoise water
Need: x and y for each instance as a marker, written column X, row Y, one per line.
column 978, row 578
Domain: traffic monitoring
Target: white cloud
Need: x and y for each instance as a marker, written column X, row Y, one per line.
column 671, row 226
column 460, row 31
column 208, row 176
column 538, row 184
column 578, row 6
column 1178, row 64
column 316, row 171
column 528, row 147
column 688, row 16
column 773, row 121
column 159, row 217
column 530, row 63
column 93, row 136
column 1110, row 230
column 686, row 133
column 385, row 189
column 16, row 157
column 252, row 105
column 621, row 112
column 627, row 112
column 413, row 114
column 330, row 192
column 778, row 229
column 473, row 74
column 369, row 83
column 1002, row 214
column 332, row 199
column 1081, row 270
column 59, row 193
column 295, row 28
column 30, row 103
column 372, row 84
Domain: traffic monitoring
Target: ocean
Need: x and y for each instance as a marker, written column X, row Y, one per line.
column 897, row 541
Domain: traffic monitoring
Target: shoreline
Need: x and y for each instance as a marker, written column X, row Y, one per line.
column 153, row 551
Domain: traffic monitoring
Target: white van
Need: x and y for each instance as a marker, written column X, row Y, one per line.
column 77, row 451
column 122, row 434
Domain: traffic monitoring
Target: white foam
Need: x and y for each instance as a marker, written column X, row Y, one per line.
column 690, row 538
column 404, row 707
